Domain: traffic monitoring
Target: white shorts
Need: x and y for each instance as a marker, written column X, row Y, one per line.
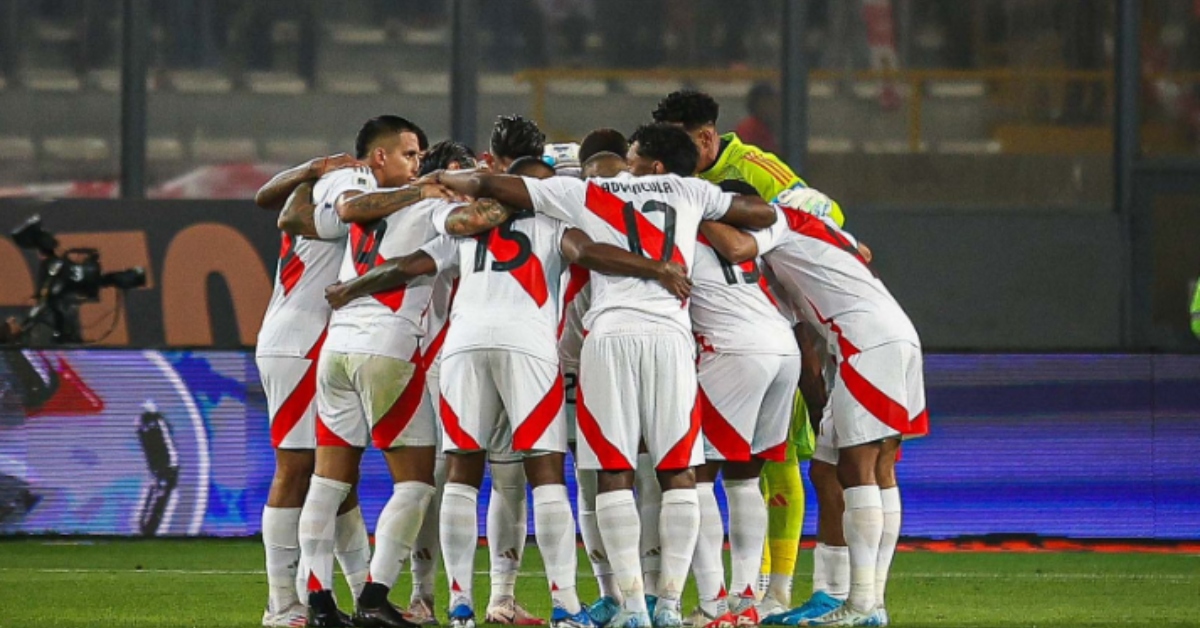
column 432, row 394
column 374, row 398
column 746, row 405
column 825, row 449
column 636, row 387
column 291, row 386
column 478, row 389
column 878, row 394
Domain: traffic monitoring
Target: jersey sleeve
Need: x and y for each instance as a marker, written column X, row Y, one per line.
column 328, row 224
column 769, row 238
column 441, row 214
column 444, row 251
column 712, row 201
column 557, row 197
column 767, row 173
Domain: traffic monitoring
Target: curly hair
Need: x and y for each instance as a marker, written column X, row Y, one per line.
column 690, row 108
column 446, row 152
column 514, row 137
column 668, row 144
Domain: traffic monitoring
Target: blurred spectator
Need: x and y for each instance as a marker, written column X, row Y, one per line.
column 760, row 127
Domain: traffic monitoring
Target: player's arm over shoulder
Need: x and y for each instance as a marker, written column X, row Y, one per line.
column 389, row 275
column 740, row 210
column 607, row 259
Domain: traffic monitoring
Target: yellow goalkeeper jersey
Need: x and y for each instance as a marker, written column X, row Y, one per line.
column 763, row 170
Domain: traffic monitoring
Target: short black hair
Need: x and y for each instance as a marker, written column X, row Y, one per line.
column 737, row 187
column 668, row 144
column 381, row 126
column 446, row 152
column 688, row 107
column 514, row 137
column 603, row 141
column 528, row 165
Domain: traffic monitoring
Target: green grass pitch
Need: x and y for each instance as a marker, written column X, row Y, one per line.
column 164, row 583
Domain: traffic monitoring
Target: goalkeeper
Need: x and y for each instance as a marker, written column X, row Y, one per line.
column 722, row 158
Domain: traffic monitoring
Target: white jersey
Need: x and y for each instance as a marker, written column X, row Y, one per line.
column 657, row 216
column 298, row 313
column 830, row 284
column 509, row 286
column 437, row 316
column 577, row 299
column 386, row 323
column 733, row 310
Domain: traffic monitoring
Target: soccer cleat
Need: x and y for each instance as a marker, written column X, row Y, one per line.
column 507, row 612
column 420, row 612
column 724, row 621
column 817, row 605
column 769, row 607
column 603, row 610
column 461, row 616
column 323, row 611
column 667, row 618
column 881, row 614
column 293, row 616
column 746, row 617
column 560, row 618
column 699, row 619
column 844, row 615
column 373, row 610
column 630, row 619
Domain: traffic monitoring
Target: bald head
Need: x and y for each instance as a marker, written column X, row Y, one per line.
column 605, row 165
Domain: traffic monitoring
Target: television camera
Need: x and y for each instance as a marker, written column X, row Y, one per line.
column 65, row 281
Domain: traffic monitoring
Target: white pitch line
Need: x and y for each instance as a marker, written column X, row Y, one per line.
column 535, row 574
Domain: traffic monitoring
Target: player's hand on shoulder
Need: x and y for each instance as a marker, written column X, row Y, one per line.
column 865, row 252
column 674, row 277
column 322, row 166
column 337, row 295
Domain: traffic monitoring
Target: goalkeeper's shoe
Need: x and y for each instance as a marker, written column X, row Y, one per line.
column 845, row 615
column 323, row 611
column 603, row 610
column 293, row 616
column 561, row 618
column 817, row 605
column 462, row 616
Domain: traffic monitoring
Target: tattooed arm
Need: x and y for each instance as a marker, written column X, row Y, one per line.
column 393, row 273
column 275, row 192
column 476, row 217
column 361, row 208
column 296, row 217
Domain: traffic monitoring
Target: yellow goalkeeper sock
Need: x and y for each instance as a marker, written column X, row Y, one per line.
column 785, row 513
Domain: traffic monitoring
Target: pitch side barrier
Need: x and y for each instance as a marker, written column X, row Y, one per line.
column 157, row 443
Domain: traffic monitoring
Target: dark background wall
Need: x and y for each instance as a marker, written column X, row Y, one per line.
column 975, row 280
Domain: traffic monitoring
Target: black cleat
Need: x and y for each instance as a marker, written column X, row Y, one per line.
column 323, row 611
column 373, row 610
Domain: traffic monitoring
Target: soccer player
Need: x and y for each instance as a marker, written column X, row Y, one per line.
column 748, row 369
column 513, row 137
column 369, row 381
column 289, row 341
column 877, row 396
column 724, row 158
column 426, row 551
column 637, row 379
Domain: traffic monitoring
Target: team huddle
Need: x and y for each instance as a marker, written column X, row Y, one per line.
column 684, row 287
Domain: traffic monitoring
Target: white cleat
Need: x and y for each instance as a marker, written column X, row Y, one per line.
column 770, row 606
column 293, row 616
column 881, row 614
column 845, row 615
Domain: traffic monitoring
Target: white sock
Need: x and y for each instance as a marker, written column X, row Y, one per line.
column 397, row 530
column 649, row 501
column 427, row 549
column 585, row 499
column 317, row 522
column 821, row 567
column 507, row 528
column 863, row 525
column 460, row 537
column 555, row 526
column 679, row 527
column 281, row 540
column 352, row 548
column 621, row 530
column 707, row 566
column 837, row 570
column 887, row 544
column 747, row 534
column 779, row 587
